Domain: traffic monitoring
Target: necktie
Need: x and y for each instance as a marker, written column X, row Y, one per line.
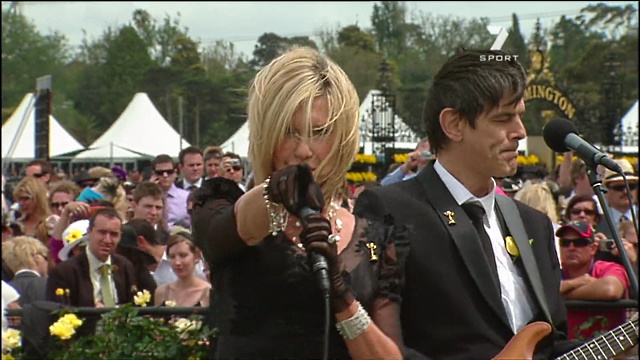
column 475, row 211
column 623, row 218
column 105, row 287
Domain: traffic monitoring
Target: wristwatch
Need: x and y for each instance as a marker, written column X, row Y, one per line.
column 355, row 325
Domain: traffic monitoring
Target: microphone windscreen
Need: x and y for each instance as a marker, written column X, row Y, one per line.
column 555, row 132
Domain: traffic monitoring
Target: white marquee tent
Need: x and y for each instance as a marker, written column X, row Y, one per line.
column 238, row 142
column 18, row 134
column 140, row 132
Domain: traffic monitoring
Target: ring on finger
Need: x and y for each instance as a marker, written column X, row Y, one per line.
column 332, row 239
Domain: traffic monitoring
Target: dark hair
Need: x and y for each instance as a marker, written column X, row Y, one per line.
column 578, row 199
column 147, row 188
column 188, row 150
column 231, row 155
column 162, row 159
column 212, row 152
column 45, row 167
column 108, row 212
column 144, row 228
column 471, row 86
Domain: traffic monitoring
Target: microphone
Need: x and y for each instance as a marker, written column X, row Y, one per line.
column 318, row 262
column 562, row 135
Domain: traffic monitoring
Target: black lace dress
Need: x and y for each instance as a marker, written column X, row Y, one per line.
column 266, row 303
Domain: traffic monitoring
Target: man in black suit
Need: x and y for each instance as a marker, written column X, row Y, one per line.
column 191, row 167
column 97, row 277
column 459, row 303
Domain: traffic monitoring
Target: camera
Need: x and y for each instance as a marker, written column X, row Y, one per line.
column 236, row 164
column 426, row 155
column 607, row 245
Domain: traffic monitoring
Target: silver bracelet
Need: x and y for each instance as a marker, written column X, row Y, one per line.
column 277, row 220
column 355, row 325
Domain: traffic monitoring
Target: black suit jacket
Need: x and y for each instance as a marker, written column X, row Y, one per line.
column 30, row 286
column 180, row 183
column 73, row 274
column 449, row 310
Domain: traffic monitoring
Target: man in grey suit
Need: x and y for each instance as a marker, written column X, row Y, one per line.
column 27, row 257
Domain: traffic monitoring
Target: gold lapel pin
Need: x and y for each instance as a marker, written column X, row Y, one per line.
column 372, row 247
column 449, row 214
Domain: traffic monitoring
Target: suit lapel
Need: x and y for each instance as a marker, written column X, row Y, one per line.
column 464, row 237
column 516, row 228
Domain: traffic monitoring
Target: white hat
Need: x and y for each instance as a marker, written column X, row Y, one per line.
column 75, row 234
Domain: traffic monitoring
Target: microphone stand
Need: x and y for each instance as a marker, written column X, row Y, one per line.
column 599, row 191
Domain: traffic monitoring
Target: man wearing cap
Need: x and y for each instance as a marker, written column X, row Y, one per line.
column 583, row 278
column 96, row 277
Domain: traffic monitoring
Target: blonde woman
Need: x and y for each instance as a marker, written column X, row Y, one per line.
column 28, row 258
column 31, row 194
column 303, row 136
column 189, row 290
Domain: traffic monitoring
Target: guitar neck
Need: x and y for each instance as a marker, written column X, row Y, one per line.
column 608, row 345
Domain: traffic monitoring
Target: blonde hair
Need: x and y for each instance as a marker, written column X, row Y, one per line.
column 67, row 187
column 32, row 186
column 292, row 81
column 538, row 195
column 18, row 252
column 98, row 172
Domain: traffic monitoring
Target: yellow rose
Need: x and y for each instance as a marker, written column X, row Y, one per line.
column 142, row 298
column 62, row 329
column 59, row 292
column 72, row 320
column 170, row 303
column 512, row 248
column 11, row 338
column 7, row 357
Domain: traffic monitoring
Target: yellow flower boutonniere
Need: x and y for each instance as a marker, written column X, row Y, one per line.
column 512, row 248
column 107, row 269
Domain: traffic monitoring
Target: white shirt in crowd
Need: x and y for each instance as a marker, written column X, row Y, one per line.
column 94, row 265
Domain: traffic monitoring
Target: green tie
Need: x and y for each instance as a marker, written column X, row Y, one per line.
column 105, row 287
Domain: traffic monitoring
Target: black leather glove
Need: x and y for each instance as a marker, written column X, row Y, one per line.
column 315, row 237
column 295, row 188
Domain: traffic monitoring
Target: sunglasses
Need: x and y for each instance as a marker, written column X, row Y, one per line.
column 576, row 211
column 579, row 243
column 59, row 204
column 162, row 172
column 234, row 168
column 622, row 187
column 38, row 176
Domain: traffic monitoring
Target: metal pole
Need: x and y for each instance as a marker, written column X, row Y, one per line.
column 180, row 120
column 111, row 154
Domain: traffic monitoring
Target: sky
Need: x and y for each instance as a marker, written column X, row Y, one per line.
column 243, row 22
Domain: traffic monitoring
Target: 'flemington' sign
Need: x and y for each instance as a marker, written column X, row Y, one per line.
column 552, row 95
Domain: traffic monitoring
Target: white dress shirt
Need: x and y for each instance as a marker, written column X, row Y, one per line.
column 516, row 299
column 94, row 265
column 187, row 184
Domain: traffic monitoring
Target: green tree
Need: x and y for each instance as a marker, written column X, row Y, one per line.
column 389, row 27
column 271, row 45
column 352, row 36
column 27, row 55
column 516, row 44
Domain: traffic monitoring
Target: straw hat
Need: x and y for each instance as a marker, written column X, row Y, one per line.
column 627, row 169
